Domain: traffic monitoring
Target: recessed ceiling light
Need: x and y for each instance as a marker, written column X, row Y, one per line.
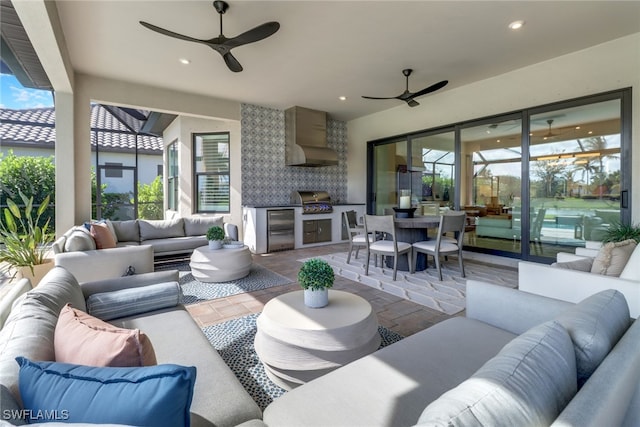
column 184, row 61
column 342, row 98
column 516, row 25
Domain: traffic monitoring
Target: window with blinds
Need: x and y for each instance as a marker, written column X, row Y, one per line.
column 211, row 169
column 172, row 175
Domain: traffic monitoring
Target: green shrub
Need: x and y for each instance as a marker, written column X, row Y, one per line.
column 316, row 274
column 215, row 233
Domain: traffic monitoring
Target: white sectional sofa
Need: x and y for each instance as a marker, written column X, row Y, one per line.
column 167, row 237
column 574, row 285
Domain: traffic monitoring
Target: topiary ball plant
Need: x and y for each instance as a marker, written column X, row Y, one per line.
column 316, row 274
column 215, row 233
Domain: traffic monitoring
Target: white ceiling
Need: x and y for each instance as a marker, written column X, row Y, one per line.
column 325, row 49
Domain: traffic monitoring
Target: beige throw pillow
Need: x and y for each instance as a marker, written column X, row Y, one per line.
column 613, row 257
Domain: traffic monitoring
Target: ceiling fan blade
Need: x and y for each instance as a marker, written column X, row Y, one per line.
column 376, row 97
column 253, row 35
column 232, row 62
column 431, row 88
column 412, row 102
column 170, row 33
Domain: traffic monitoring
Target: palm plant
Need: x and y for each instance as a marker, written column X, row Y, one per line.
column 24, row 240
column 618, row 232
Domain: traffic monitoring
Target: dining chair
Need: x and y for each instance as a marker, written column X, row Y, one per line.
column 452, row 221
column 374, row 224
column 357, row 236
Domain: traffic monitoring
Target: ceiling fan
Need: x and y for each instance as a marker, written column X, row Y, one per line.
column 549, row 134
column 222, row 44
column 409, row 97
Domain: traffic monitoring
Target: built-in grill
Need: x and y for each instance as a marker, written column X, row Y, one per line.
column 312, row 202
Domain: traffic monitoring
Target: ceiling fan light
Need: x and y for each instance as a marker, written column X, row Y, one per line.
column 516, row 25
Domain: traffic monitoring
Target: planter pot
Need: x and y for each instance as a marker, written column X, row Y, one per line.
column 215, row 244
column 39, row 272
column 316, row 299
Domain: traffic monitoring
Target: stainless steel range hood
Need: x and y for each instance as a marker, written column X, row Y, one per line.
column 306, row 138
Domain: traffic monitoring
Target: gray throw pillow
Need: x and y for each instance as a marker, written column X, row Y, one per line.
column 198, row 225
column 161, row 229
column 126, row 231
column 129, row 302
column 79, row 239
column 595, row 325
column 528, row 383
column 578, row 264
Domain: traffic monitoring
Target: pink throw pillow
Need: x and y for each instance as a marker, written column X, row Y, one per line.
column 102, row 235
column 82, row 339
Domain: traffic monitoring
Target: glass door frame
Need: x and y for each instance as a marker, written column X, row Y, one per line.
column 624, row 95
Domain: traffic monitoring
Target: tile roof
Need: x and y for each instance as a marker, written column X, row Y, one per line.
column 36, row 126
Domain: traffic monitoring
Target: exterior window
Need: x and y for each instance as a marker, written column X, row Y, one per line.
column 211, row 168
column 172, row 176
column 159, row 170
column 114, row 172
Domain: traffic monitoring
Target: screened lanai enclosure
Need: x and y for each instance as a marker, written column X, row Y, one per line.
column 533, row 182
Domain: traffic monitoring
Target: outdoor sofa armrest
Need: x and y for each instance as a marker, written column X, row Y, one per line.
column 87, row 266
column 127, row 282
column 574, row 285
column 231, row 231
column 510, row 309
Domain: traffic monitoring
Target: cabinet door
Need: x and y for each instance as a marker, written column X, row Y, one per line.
column 324, row 230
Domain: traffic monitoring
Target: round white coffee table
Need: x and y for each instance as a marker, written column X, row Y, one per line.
column 297, row 344
column 220, row 265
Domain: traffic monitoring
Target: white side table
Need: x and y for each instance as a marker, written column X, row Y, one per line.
column 297, row 344
column 220, row 265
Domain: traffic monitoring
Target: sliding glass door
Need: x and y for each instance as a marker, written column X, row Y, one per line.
column 575, row 179
column 491, row 174
column 533, row 182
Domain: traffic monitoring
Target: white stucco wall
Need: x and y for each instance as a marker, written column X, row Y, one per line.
column 181, row 130
column 602, row 68
column 95, row 89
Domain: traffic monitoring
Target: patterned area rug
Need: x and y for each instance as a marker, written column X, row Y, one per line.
column 423, row 287
column 195, row 291
column 234, row 342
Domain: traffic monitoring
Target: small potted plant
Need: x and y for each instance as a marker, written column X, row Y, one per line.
column 215, row 236
column 316, row 277
column 23, row 242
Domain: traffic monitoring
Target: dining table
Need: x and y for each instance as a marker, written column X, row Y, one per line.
column 412, row 230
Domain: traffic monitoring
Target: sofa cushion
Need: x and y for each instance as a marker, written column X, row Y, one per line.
column 595, row 325
column 152, row 395
column 102, row 235
column 198, row 225
column 129, row 302
column 176, row 244
column 612, row 257
column 85, row 340
column 29, row 329
column 583, row 264
column 79, row 239
column 527, row 384
column 127, row 231
column 161, row 229
column 631, row 271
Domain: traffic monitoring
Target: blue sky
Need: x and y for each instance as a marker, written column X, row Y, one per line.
column 14, row 95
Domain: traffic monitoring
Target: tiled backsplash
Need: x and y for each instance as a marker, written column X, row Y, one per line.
column 265, row 178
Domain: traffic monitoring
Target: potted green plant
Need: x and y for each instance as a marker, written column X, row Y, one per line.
column 316, row 277
column 24, row 242
column 215, row 236
column 618, row 232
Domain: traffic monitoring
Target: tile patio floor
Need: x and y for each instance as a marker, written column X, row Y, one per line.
column 397, row 314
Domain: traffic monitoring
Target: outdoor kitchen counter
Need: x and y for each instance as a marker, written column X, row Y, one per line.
column 254, row 224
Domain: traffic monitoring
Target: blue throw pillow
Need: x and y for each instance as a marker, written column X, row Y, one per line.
column 153, row 395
